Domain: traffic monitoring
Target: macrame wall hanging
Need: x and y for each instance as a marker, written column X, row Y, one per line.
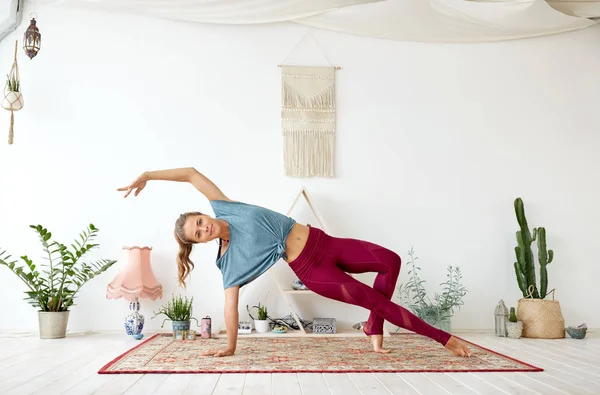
column 308, row 117
column 13, row 97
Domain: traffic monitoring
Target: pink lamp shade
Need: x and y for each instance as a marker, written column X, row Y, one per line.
column 136, row 279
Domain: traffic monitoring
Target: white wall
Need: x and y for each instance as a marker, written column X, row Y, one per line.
column 434, row 143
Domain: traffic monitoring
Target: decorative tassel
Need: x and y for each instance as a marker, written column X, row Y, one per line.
column 11, row 132
column 309, row 153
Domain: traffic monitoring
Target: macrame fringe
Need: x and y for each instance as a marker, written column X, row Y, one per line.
column 323, row 99
column 11, row 131
column 308, row 153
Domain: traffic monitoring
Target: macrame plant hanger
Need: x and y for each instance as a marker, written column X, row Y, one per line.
column 308, row 117
column 13, row 97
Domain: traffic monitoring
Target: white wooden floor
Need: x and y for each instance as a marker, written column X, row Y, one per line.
column 29, row 365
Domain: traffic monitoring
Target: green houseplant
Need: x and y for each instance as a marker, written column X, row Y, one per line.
column 53, row 286
column 514, row 328
column 541, row 318
column 12, row 83
column 438, row 312
column 261, row 322
column 179, row 311
column 525, row 264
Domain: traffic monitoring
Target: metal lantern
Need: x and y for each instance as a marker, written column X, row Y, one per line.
column 32, row 39
column 501, row 319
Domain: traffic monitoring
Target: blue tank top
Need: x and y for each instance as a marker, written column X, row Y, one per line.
column 256, row 241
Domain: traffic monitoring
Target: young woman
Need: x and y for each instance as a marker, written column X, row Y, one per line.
column 253, row 238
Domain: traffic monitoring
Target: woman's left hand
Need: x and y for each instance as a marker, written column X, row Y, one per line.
column 225, row 352
column 138, row 184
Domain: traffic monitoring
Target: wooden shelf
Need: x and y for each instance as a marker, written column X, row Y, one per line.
column 298, row 291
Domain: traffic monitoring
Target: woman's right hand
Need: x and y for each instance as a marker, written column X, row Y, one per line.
column 138, row 185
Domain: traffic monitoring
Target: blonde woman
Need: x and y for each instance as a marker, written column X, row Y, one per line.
column 252, row 238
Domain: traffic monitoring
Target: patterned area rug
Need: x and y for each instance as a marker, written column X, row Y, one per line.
column 410, row 353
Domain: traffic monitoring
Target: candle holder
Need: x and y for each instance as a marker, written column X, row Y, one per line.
column 179, row 335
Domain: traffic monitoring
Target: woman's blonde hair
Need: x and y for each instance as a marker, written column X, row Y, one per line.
column 184, row 263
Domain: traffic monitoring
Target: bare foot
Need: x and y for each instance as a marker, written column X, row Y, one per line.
column 378, row 344
column 458, row 347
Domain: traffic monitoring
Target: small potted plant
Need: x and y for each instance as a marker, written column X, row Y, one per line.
column 261, row 323
column 179, row 311
column 514, row 328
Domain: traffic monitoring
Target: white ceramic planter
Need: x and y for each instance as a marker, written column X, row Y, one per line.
column 13, row 101
column 514, row 330
column 261, row 326
column 53, row 325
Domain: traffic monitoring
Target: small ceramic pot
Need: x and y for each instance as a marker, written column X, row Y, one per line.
column 514, row 330
column 261, row 326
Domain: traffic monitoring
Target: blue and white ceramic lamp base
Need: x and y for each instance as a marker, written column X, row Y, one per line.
column 134, row 321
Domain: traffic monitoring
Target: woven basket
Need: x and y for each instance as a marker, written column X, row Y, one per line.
column 542, row 319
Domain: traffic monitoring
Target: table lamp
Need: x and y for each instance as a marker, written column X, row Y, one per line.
column 135, row 280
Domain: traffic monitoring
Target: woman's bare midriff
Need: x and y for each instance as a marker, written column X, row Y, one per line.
column 296, row 241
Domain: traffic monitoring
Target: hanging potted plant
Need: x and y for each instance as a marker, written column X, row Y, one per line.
column 53, row 290
column 541, row 318
column 13, row 97
column 179, row 311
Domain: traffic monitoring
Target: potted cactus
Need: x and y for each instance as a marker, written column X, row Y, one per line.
column 514, row 328
column 541, row 318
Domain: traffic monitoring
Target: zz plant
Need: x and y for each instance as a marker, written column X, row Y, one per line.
column 54, row 284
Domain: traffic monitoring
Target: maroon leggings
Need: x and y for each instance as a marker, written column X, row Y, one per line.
column 324, row 263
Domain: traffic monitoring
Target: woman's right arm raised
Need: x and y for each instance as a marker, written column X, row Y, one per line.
column 186, row 174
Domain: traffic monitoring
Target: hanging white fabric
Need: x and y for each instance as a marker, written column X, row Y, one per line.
column 449, row 20
column 216, row 11
column 580, row 8
column 409, row 20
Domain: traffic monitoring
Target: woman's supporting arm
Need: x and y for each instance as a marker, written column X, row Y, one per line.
column 231, row 323
column 232, row 317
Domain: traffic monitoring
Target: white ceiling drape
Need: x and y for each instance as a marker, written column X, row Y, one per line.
column 216, row 11
column 408, row 20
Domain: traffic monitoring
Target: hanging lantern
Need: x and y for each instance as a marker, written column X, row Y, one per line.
column 501, row 315
column 32, row 39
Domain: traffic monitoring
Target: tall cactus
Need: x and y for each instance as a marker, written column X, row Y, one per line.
column 525, row 265
column 545, row 258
